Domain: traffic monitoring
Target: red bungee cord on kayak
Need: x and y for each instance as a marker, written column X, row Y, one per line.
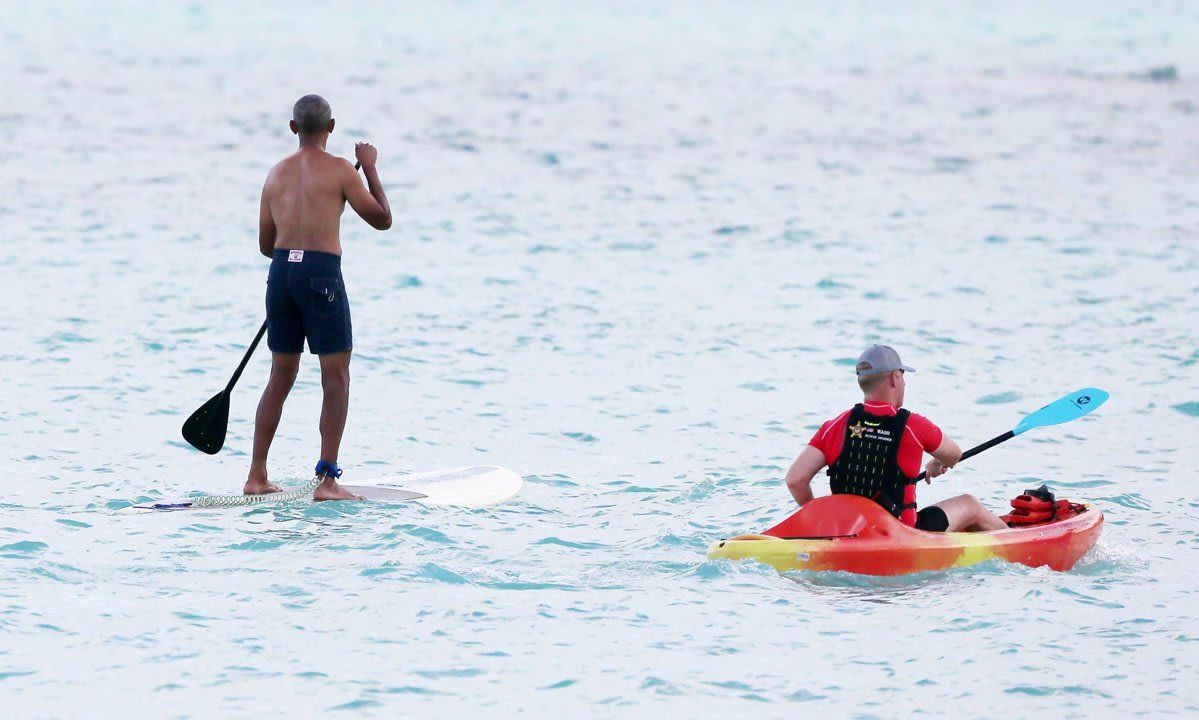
column 1035, row 507
column 875, row 448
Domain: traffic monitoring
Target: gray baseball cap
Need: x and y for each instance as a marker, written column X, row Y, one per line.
column 880, row 359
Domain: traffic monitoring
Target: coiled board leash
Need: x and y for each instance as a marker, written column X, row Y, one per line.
column 323, row 469
column 224, row 501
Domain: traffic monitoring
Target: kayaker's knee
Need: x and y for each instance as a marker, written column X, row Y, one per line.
column 963, row 512
column 977, row 516
column 976, row 508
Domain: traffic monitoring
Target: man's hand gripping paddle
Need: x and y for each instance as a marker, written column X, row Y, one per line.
column 206, row 427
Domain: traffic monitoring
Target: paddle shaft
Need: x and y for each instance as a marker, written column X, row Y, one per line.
column 246, row 359
column 979, row 448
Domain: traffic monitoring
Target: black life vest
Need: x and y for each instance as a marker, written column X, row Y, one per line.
column 869, row 461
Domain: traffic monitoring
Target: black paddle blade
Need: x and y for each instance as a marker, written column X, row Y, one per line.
column 205, row 429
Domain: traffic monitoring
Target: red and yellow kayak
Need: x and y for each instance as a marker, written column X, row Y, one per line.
column 855, row 534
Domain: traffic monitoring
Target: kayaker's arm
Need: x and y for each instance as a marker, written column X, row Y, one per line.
column 947, row 454
column 799, row 477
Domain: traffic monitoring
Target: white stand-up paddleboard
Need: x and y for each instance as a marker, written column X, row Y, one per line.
column 470, row 487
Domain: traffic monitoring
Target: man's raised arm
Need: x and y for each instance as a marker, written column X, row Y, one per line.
column 371, row 205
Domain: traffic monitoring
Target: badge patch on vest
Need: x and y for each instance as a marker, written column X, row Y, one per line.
column 866, row 430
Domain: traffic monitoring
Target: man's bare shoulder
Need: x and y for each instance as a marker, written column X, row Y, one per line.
column 339, row 164
column 287, row 162
column 280, row 169
column 308, row 166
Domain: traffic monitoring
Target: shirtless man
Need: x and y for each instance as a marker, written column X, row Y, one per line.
column 875, row 448
column 298, row 228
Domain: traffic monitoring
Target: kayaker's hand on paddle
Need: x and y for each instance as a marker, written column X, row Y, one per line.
column 934, row 468
column 366, row 153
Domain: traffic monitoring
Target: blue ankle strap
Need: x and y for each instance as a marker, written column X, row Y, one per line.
column 327, row 469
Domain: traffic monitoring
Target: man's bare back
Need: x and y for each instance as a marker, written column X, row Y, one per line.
column 305, row 195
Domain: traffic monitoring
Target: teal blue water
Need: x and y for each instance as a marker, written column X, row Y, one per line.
column 637, row 250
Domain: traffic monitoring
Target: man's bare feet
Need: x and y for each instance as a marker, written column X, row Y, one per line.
column 330, row 490
column 260, row 486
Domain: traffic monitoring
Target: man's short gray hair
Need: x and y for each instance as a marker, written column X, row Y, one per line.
column 312, row 114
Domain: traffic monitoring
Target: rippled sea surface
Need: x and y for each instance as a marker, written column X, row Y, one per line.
column 637, row 250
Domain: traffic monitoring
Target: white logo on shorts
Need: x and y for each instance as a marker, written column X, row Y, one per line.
column 295, row 256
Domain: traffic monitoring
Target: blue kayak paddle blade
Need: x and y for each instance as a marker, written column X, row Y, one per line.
column 1071, row 407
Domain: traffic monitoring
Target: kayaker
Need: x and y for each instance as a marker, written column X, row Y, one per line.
column 298, row 228
column 874, row 449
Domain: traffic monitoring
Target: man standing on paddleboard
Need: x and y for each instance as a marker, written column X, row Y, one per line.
column 874, row 449
column 298, row 228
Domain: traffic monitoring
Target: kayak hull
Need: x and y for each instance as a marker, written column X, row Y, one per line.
column 881, row 545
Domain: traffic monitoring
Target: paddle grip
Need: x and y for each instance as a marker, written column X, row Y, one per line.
column 979, row 448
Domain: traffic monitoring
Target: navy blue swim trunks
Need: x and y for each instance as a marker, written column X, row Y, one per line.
column 306, row 298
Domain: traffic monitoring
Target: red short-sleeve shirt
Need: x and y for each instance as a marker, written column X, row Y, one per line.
column 919, row 436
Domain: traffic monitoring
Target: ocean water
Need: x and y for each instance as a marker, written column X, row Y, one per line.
column 637, row 248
